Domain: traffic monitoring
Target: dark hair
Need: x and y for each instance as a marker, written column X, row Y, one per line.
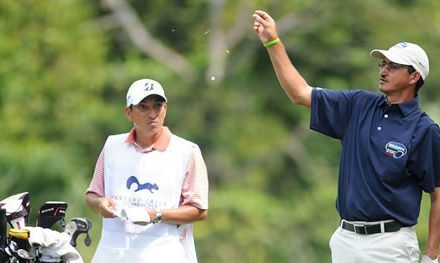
column 420, row 82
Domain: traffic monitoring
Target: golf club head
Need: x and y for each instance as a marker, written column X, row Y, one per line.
column 77, row 226
column 20, row 237
column 25, row 255
column 17, row 208
column 50, row 213
column 14, row 254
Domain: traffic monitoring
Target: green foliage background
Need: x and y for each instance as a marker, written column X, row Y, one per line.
column 66, row 66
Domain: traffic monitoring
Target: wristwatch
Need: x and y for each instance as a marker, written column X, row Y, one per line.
column 158, row 218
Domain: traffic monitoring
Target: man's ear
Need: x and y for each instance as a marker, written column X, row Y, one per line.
column 128, row 112
column 414, row 77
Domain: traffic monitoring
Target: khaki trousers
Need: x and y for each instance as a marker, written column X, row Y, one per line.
column 399, row 247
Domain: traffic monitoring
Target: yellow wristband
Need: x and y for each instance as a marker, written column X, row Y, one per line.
column 271, row 43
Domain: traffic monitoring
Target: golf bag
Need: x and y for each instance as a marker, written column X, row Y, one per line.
column 21, row 243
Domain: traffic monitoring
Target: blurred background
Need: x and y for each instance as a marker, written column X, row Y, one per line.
column 66, row 66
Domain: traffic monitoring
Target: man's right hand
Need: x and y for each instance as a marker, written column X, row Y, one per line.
column 107, row 207
column 103, row 205
column 264, row 26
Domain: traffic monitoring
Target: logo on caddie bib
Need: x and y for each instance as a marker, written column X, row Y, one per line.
column 146, row 186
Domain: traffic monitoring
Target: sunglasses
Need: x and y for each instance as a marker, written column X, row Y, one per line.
column 395, row 66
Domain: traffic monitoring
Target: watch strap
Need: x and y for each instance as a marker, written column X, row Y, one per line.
column 158, row 218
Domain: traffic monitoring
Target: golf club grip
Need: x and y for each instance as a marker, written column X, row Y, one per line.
column 3, row 230
column 3, row 227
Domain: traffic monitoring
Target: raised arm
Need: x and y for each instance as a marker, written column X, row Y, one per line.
column 293, row 84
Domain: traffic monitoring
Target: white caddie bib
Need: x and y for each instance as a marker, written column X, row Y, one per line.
column 150, row 180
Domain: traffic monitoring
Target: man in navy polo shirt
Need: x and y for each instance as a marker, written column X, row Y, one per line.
column 390, row 152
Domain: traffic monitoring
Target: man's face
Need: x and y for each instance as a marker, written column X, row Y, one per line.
column 395, row 79
column 149, row 115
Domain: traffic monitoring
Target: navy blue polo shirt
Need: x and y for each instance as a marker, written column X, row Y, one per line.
column 390, row 153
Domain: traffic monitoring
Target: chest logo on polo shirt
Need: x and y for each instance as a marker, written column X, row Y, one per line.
column 146, row 186
column 395, row 149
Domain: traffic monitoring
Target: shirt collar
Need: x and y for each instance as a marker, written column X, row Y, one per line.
column 405, row 108
column 161, row 144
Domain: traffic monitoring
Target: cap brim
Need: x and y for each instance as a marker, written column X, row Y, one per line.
column 138, row 100
column 378, row 53
column 386, row 54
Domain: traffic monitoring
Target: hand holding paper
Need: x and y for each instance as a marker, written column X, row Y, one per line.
column 136, row 215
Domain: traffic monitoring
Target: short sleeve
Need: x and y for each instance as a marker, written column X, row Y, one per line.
column 195, row 186
column 425, row 162
column 97, row 184
column 330, row 111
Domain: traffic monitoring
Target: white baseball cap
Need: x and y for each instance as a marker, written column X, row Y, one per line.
column 140, row 89
column 406, row 54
